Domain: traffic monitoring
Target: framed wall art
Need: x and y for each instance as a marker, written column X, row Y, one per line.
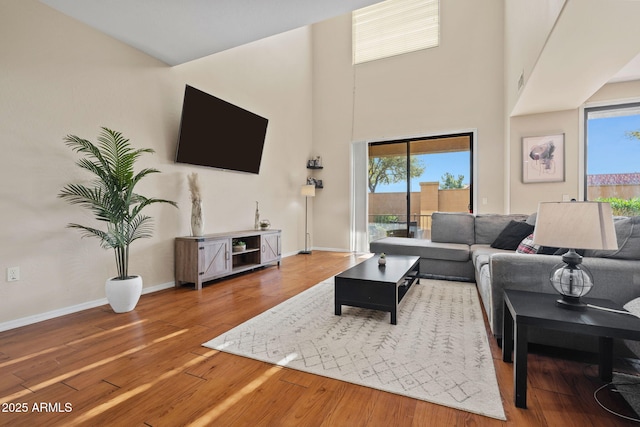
column 543, row 158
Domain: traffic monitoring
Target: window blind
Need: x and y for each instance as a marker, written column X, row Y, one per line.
column 394, row 27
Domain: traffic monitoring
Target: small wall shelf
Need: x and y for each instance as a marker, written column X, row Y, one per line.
column 315, row 164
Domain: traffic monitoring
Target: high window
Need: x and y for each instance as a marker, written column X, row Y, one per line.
column 612, row 163
column 394, row 27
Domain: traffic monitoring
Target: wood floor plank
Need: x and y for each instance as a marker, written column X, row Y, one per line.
column 274, row 397
column 354, row 408
column 315, row 403
column 427, row 414
column 392, row 410
column 139, row 368
column 224, row 386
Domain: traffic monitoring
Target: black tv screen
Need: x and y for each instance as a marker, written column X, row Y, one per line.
column 218, row 134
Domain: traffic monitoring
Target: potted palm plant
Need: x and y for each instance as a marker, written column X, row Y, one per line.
column 112, row 200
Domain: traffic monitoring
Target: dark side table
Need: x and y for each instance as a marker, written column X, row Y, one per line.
column 523, row 309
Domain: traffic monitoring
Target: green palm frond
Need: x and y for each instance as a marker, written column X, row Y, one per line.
column 111, row 198
column 141, row 227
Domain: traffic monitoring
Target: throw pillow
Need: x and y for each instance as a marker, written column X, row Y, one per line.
column 489, row 226
column 512, row 235
column 628, row 236
column 527, row 246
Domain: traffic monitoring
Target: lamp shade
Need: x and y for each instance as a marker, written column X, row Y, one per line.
column 308, row 190
column 575, row 225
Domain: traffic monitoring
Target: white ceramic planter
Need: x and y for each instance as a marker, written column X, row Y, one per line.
column 123, row 295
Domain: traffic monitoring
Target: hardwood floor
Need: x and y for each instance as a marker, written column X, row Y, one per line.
column 148, row 367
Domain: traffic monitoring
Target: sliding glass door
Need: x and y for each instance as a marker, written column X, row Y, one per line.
column 408, row 180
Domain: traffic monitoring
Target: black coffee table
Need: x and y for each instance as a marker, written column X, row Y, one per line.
column 523, row 309
column 368, row 285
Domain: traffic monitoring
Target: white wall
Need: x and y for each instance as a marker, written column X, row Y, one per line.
column 457, row 86
column 524, row 198
column 60, row 77
column 618, row 92
column 527, row 27
column 272, row 78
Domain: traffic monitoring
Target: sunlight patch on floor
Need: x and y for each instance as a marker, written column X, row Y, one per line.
column 52, row 349
column 66, row 375
column 140, row 389
column 212, row 415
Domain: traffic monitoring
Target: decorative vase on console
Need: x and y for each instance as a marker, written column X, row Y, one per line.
column 256, row 224
column 197, row 219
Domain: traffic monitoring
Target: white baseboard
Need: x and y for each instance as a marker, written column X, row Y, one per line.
column 331, row 249
column 29, row 320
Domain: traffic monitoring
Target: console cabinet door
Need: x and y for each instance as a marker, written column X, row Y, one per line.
column 270, row 248
column 213, row 259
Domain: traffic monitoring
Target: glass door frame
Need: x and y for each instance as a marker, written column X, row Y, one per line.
column 472, row 169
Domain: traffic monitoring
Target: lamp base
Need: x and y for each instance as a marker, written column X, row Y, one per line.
column 571, row 303
column 305, row 252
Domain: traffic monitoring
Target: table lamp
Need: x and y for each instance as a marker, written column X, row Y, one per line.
column 307, row 191
column 574, row 225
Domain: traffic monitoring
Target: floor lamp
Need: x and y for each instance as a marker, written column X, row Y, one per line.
column 307, row 191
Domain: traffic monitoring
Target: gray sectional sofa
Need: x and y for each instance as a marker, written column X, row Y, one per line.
column 480, row 248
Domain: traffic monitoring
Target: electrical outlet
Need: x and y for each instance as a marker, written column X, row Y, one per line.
column 13, row 274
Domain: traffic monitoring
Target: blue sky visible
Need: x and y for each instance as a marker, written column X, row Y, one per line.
column 609, row 150
column 435, row 165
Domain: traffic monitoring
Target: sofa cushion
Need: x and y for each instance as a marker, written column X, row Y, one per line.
column 628, row 235
column 512, row 235
column 480, row 254
column 422, row 248
column 452, row 227
column 489, row 226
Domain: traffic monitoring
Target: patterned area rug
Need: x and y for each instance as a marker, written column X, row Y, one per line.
column 438, row 352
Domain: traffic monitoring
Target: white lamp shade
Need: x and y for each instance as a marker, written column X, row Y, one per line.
column 308, row 190
column 575, row 225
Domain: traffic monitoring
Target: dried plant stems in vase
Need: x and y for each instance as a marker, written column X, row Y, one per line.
column 197, row 218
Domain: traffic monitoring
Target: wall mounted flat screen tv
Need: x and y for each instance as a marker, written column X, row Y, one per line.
column 218, row 134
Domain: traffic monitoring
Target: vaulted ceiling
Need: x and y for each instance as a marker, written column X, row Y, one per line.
column 178, row 31
column 570, row 69
column 592, row 43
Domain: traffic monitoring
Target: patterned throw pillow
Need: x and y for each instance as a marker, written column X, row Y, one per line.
column 527, row 246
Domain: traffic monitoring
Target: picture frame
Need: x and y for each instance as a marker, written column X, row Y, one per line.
column 543, row 159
